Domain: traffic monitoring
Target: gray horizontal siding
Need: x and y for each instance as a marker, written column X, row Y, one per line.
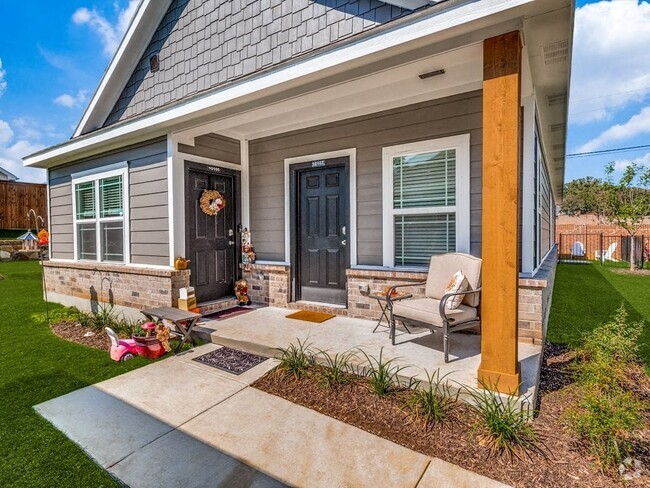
column 204, row 44
column 450, row 116
column 61, row 221
column 149, row 213
column 214, row 146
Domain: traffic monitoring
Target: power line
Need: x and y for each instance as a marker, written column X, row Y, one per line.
column 607, row 151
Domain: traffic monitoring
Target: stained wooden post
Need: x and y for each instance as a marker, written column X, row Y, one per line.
column 500, row 249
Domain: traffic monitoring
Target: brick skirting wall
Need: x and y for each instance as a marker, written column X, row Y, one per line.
column 116, row 284
column 270, row 284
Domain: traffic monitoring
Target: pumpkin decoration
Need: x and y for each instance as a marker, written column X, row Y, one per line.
column 181, row 263
column 212, row 202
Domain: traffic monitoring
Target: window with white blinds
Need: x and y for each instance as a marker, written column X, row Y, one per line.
column 426, row 207
column 100, row 230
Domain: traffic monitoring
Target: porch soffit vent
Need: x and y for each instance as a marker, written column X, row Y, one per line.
column 555, row 100
column 556, row 127
column 412, row 4
column 555, row 52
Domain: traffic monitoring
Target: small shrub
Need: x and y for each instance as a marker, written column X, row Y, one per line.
column 295, row 360
column 504, row 425
column 106, row 316
column 382, row 375
column 432, row 403
column 336, row 370
column 607, row 351
column 605, row 420
column 66, row 314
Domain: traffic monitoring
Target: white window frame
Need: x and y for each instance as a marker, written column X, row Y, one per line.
column 461, row 145
column 123, row 171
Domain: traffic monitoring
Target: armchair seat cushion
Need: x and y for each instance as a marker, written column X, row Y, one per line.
column 427, row 310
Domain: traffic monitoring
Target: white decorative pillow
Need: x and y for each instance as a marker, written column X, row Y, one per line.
column 458, row 283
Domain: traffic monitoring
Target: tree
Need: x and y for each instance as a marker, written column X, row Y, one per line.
column 627, row 203
column 584, row 196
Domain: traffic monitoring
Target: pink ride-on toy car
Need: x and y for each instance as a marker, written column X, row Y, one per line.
column 125, row 349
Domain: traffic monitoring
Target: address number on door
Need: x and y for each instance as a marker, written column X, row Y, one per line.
column 317, row 164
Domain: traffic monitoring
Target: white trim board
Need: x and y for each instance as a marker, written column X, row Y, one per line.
column 119, row 169
column 417, row 30
column 352, row 155
column 461, row 144
column 177, row 182
column 144, row 23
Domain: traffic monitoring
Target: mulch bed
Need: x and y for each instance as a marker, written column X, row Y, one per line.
column 75, row 333
column 563, row 465
column 625, row 271
column 231, row 360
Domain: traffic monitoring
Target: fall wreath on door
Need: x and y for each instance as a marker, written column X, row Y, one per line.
column 212, row 202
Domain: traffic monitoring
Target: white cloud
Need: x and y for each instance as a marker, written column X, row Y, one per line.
column 637, row 125
column 110, row 34
column 621, row 164
column 13, row 149
column 3, row 82
column 6, row 134
column 610, row 58
column 71, row 101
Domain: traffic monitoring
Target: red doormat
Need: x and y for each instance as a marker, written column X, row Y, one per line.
column 226, row 314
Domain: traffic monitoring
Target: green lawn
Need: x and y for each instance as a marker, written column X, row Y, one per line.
column 585, row 296
column 36, row 366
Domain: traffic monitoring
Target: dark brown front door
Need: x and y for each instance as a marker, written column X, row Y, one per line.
column 211, row 239
column 322, row 231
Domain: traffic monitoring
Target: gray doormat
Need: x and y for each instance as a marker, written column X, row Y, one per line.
column 231, row 360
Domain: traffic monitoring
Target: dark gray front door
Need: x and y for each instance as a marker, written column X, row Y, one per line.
column 322, row 232
column 211, row 238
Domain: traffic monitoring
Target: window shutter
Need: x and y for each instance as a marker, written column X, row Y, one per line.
column 425, row 180
column 85, row 200
column 110, row 197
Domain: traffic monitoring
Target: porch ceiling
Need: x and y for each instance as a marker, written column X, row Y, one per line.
column 548, row 39
column 383, row 89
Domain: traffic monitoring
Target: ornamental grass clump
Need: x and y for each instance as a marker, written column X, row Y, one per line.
column 608, row 351
column 605, row 421
column 335, row 370
column 382, row 375
column 295, row 360
column 433, row 403
column 608, row 414
column 503, row 424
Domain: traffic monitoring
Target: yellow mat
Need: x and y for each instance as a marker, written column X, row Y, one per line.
column 307, row 316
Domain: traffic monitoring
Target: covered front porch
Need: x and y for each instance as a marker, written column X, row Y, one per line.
column 264, row 330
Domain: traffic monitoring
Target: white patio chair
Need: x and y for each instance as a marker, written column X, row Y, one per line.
column 607, row 254
column 578, row 250
column 431, row 311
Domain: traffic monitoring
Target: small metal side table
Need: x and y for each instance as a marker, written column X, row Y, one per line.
column 383, row 304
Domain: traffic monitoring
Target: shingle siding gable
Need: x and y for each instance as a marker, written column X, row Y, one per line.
column 203, row 44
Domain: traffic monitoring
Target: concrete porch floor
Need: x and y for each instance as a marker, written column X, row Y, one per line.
column 264, row 330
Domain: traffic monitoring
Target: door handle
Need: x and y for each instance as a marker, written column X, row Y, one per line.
column 344, row 242
column 231, row 243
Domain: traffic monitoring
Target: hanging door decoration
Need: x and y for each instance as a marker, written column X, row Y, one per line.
column 212, row 202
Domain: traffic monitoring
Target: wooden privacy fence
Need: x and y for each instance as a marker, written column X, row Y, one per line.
column 16, row 199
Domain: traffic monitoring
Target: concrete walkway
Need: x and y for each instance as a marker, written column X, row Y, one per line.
column 182, row 423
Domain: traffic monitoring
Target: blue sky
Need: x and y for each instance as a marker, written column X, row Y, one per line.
column 52, row 59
